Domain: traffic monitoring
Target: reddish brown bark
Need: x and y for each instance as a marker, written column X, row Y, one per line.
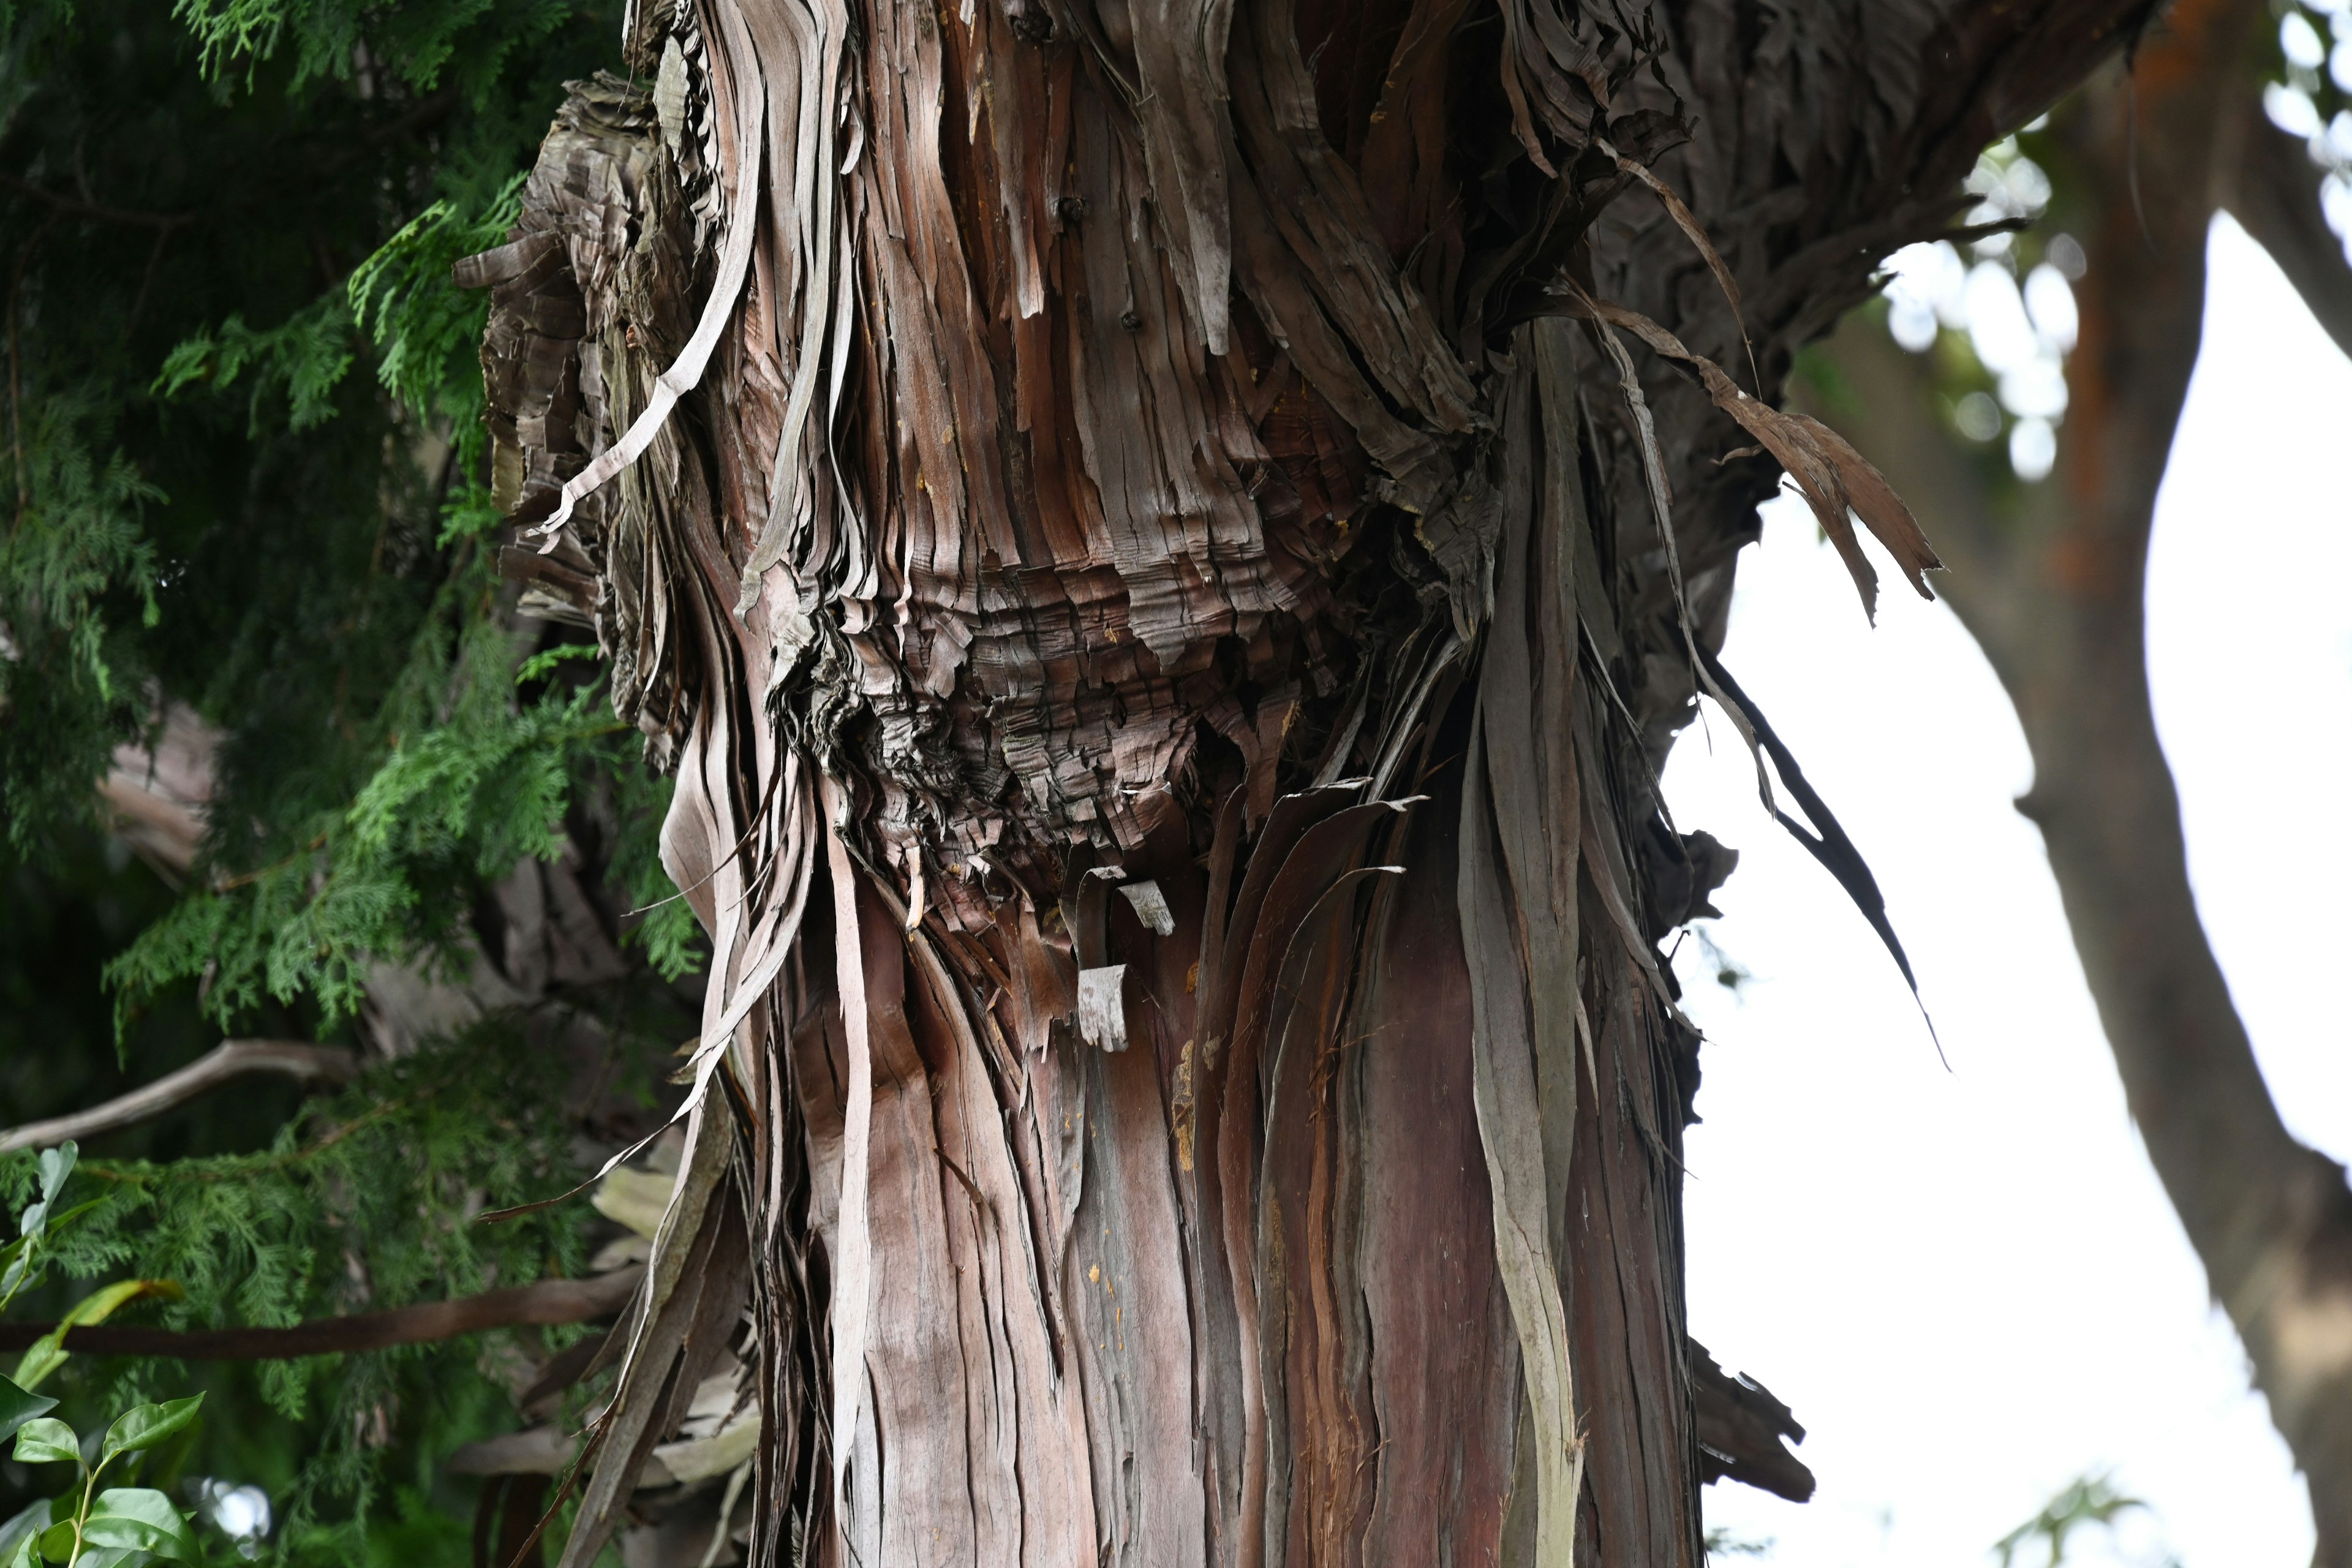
column 1142, row 445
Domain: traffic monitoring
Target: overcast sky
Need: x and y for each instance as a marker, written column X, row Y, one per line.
column 1969, row 1285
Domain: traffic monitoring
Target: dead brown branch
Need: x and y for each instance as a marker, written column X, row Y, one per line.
column 74, row 207
column 230, row 1059
column 542, row 1304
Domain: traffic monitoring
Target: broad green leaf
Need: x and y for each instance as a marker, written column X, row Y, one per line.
column 109, row 1556
column 144, row 1426
column 20, row 1259
column 48, row 1354
column 23, row 1530
column 141, row 1518
column 56, row 1165
column 18, row 1406
column 45, row 1440
column 100, row 1305
column 57, row 1542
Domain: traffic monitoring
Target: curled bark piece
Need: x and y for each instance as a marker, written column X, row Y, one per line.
column 1836, row 482
column 685, row 373
column 1102, row 1006
column 230, row 1059
column 1740, row 1425
column 1150, row 907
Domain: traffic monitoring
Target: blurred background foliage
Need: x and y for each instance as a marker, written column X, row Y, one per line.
column 1996, row 318
column 242, row 497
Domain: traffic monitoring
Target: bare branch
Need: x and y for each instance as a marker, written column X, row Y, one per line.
column 98, row 210
column 541, row 1304
column 229, row 1059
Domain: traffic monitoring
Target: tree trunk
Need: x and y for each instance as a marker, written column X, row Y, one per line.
column 1161, row 623
column 2050, row 579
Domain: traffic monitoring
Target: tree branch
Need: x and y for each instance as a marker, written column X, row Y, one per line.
column 229, row 1059
column 2276, row 197
column 2051, row 580
column 96, row 210
column 540, row 1304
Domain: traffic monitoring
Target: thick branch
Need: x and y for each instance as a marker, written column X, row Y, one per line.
column 540, row 1304
column 2051, row 580
column 2276, row 198
column 229, row 1059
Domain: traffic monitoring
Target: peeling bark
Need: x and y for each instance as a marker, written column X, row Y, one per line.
column 1140, row 442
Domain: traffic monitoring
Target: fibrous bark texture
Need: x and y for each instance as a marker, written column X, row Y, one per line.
column 2051, row 580
column 1138, row 529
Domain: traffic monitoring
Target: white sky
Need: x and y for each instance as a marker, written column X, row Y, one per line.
column 1969, row 1286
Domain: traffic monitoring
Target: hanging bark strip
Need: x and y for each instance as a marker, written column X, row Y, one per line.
column 1218, row 1100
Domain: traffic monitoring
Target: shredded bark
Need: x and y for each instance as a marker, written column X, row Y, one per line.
column 1144, row 446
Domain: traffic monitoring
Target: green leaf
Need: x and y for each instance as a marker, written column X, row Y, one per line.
column 50, row 1352
column 144, row 1426
column 57, row 1542
column 18, row 1406
column 56, row 1165
column 58, row 1221
column 140, row 1517
column 20, row 1537
column 45, row 1440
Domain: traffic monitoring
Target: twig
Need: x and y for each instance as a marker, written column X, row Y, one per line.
column 542, row 1303
column 98, row 210
column 230, row 1059
column 16, row 373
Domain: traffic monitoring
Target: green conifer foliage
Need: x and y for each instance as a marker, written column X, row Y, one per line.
column 242, row 472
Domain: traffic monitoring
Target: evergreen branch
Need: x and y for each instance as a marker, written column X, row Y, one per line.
column 229, row 1059
column 543, row 1303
